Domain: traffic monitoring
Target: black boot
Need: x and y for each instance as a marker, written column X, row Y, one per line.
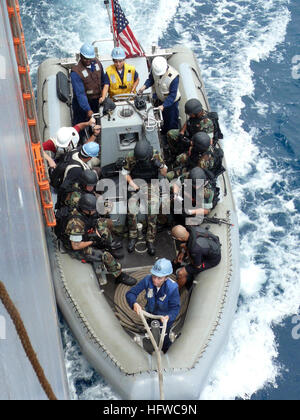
column 131, row 244
column 151, row 248
column 115, row 244
column 126, row 279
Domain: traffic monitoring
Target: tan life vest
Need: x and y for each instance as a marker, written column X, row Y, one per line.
column 118, row 86
column 162, row 84
column 91, row 79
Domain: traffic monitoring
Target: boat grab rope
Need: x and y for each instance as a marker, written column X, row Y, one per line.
column 24, row 338
column 157, row 348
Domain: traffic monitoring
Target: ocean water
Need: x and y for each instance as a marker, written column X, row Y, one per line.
column 249, row 53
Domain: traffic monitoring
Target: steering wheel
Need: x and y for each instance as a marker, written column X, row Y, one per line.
column 123, row 95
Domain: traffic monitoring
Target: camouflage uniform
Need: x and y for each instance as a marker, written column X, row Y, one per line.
column 77, row 229
column 208, row 191
column 151, row 196
column 205, row 124
column 206, row 161
column 73, row 197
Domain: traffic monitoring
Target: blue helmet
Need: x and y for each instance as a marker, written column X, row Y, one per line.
column 88, row 51
column 90, row 149
column 162, row 268
column 118, row 54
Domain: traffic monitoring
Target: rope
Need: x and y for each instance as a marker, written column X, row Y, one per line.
column 132, row 321
column 158, row 348
column 22, row 333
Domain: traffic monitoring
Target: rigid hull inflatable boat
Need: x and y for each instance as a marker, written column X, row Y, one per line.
column 109, row 333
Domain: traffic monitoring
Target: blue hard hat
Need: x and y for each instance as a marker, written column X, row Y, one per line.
column 118, row 54
column 90, row 149
column 88, row 51
column 162, row 268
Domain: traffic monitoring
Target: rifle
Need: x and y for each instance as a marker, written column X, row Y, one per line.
column 216, row 220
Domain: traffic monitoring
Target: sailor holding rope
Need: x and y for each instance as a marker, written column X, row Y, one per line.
column 161, row 293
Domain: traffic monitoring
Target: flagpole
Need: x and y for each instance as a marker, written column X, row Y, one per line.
column 106, row 3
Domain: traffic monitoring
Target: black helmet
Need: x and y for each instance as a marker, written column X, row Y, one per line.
column 201, row 142
column 143, row 150
column 193, row 106
column 88, row 177
column 87, row 202
column 197, row 173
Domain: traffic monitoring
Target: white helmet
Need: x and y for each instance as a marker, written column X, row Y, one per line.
column 159, row 66
column 67, row 135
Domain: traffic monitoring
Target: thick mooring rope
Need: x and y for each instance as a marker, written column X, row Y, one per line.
column 22, row 333
column 157, row 348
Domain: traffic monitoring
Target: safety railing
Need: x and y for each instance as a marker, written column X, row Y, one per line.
column 13, row 9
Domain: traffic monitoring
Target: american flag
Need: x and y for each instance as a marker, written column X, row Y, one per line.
column 123, row 32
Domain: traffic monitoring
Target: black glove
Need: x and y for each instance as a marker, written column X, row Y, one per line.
column 97, row 241
column 180, row 136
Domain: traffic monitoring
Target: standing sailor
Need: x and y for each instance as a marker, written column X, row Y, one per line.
column 87, row 82
column 161, row 293
column 144, row 164
column 120, row 77
column 166, row 84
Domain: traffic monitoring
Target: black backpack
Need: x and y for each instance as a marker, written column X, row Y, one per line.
column 213, row 182
column 57, row 174
column 214, row 243
column 217, row 131
column 218, row 168
column 62, row 216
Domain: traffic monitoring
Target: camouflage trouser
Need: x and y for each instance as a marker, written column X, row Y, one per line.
column 151, row 197
column 103, row 227
column 95, row 255
column 172, row 139
column 92, row 254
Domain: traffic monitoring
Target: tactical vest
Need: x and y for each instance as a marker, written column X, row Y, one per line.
column 193, row 125
column 75, row 163
column 195, row 157
column 90, row 79
column 144, row 169
column 117, row 85
column 162, row 84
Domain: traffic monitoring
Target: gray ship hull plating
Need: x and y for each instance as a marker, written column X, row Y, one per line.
column 25, row 268
column 119, row 359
